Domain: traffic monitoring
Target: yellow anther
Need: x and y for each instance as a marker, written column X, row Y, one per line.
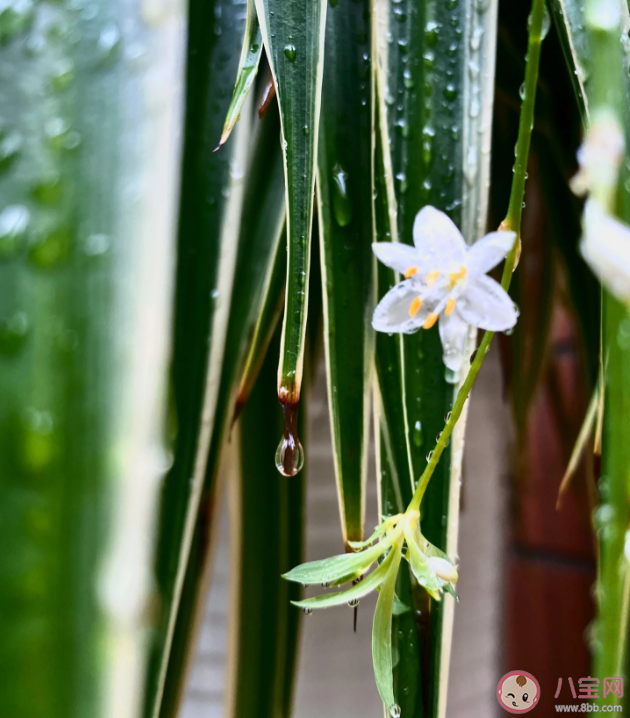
column 432, row 277
column 410, row 272
column 415, row 307
column 431, row 319
column 450, row 306
column 457, row 276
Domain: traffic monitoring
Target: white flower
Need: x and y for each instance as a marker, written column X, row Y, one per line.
column 599, row 158
column 606, row 247
column 447, row 279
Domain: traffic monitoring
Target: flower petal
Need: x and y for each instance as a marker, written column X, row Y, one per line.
column 438, row 241
column 392, row 313
column 396, row 255
column 454, row 334
column 606, row 247
column 489, row 251
column 485, row 304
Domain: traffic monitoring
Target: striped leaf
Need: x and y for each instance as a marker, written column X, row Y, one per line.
column 344, row 192
column 247, row 69
column 434, row 80
column 211, row 201
column 266, row 540
column 88, row 186
column 293, row 33
column 261, row 222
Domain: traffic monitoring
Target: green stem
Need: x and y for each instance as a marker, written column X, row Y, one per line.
column 512, row 222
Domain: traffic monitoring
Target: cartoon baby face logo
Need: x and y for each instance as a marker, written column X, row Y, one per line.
column 518, row 692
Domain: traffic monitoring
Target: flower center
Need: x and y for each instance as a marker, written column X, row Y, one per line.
column 458, row 276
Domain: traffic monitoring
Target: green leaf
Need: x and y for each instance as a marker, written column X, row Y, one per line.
column 344, row 191
column 247, row 69
column 382, row 633
column 268, row 512
column 270, row 313
column 424, row 574
column 85, row 305
column 293, row 33
column 568, row 17
column 435, row 75
column 361, row 589
column 331, row 569
column 208, row 234
column 407, row 670
column 257, row 245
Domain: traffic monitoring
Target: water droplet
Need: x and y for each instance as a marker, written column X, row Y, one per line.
column 325, row 584
column 429, row 455
column 290, row 52
column 14, row 220
column 48, row 188
column 353, row 603
column 307, row 611
column 522, row 92
column 417, row 434
column 450, row 376
column 16, row 17
column 36, row 445
column 13, row 333
column 51, row 249
column 394, row 711
column 447, row 416
column 63, row 75
column 431, row 33
column 108, row 44
column 509, row 332
column 546, row 23
column 96, row 245
column 450, row 92
column 306, row 131
column 290, row 454
column 342, row 206
column 10, row 146
column 476, row 38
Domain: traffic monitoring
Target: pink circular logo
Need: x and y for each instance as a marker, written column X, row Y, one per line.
column 518, row 692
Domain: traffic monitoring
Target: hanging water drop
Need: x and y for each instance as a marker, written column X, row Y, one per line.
column 353, row 603
column 290, row 454
column 429, row 455
column 307, row 611
column 522, row 91
column 546, row 23
column 394, row 711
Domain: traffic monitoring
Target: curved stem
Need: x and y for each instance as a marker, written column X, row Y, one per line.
column 511, row 222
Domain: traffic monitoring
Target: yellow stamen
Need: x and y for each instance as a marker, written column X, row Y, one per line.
column 410, row 272
column 431, row 319
column 432, row 278
column 450, row 306
column 415, row 307
column 456, row 277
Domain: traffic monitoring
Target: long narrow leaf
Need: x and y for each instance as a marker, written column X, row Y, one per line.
column 293, row 33
column 209, row 222
column 260, row 656
column 261, row 224
column 247, row 69
column 345, row 224
column 88, row 185
column 434, row 77
column 382, row 636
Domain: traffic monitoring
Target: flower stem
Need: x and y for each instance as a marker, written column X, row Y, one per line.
column 512, row 222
